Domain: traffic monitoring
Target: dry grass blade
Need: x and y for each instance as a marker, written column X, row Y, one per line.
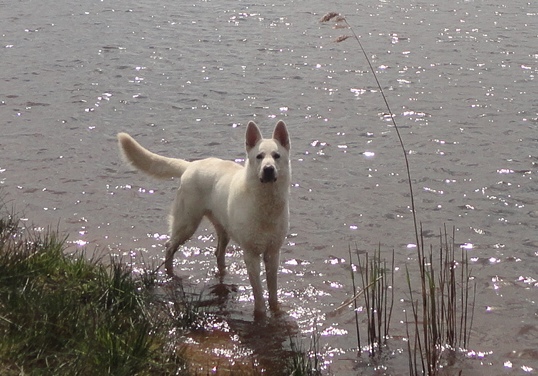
column 342, row 38
column 337, row 311
column 329, row 16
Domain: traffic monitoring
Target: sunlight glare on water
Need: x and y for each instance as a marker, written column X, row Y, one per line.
column 184, row 79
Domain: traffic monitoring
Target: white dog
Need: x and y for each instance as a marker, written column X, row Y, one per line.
column 248, row 204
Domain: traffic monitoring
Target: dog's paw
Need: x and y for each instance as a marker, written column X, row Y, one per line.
column 175, row 279
column 276, row 309
column 260, row 315
column 221, row 272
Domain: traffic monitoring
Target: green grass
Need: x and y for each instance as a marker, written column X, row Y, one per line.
column 66, row 315
column 302, row 362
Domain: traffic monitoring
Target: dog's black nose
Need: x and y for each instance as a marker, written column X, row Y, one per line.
column 268, row 174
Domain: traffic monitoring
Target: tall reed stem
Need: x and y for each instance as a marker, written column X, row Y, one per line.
column 438, row 288
column 393, row 120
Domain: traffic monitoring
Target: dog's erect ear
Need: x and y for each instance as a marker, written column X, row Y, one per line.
column 253, row 135
column 281, row 134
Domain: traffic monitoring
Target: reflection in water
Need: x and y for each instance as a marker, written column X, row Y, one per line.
column 230, row 340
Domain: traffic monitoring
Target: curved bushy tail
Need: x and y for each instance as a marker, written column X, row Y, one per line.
column 148, row 162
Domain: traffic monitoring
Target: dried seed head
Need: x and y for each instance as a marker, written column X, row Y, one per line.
column 340, row 26
column 329, row 16
column 342, row 38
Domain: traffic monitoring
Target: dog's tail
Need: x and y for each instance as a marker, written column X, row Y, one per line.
column 148, row 162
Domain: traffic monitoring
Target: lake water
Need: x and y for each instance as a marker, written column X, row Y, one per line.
column 185, row 78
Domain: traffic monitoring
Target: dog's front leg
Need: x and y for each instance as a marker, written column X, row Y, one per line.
column 252, row 261
column 271, row 260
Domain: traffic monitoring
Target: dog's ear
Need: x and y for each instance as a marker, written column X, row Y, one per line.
column 253, row 135
column 281, row 134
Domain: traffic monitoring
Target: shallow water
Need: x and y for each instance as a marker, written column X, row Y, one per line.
column 185, row 80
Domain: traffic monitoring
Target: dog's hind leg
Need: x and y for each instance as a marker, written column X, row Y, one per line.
column 222, row 242
column 171, row 248
column 184, row 221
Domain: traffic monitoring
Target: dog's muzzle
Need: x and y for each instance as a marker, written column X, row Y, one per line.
column 268, row 174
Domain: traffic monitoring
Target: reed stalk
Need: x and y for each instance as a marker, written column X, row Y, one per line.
column 356, row 310
column 378, row 302
column 441, row 312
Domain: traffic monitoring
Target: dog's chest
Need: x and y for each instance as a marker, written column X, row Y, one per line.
column 263, row 241
column 269, row 220
column 262, row 225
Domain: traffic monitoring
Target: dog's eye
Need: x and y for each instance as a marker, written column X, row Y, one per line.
column 260, row 156
column 276, row 155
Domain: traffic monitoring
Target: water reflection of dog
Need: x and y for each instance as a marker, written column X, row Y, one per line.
column 269, row 339
column 229, row 336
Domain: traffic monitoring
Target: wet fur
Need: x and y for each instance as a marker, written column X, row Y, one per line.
column 247, row 204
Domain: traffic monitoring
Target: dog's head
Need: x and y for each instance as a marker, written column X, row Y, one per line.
column 268, row 157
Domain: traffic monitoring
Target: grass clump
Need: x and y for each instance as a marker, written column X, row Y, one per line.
column 443, row 311
column 304, row 362
column 67, row 315
column 378, row 299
